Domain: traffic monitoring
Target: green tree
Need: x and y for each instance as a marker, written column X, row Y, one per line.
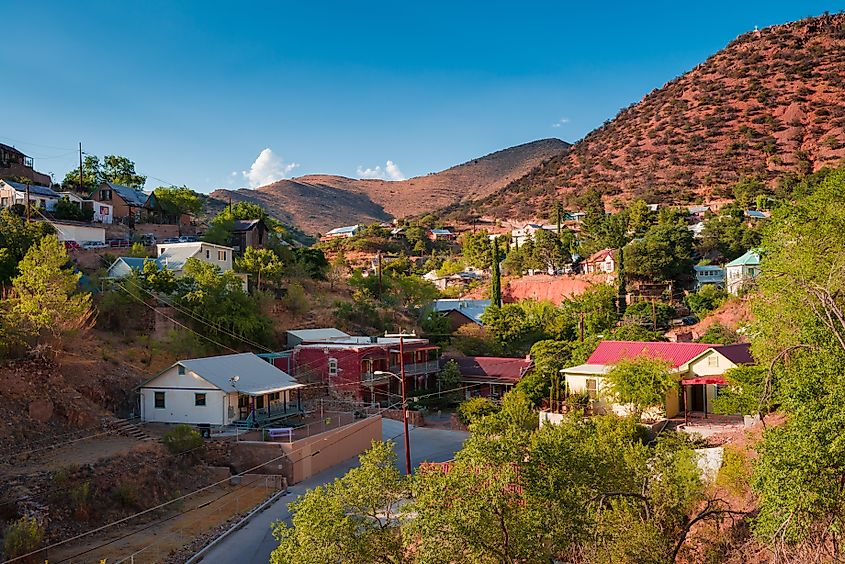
column 654, row 315
column 91, row 176
column 178, row 200
column 496, row 282
column 744, row 391
column 65, row 209
column 641, row 382
column 16, row 238
column 708, row 298
column 475, row 408
column 549, row 358
column 664, row 253
column 449, row 377
column 47, row 299
column 640, row 217
column 718, row 334
column 138, row 250
column 120, row 170
column 353, row 519
column 549, row 251
column 262, row 264
column 475, row 248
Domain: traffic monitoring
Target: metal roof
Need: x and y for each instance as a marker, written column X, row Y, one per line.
column 346, row 229
column 499, row 368
column 244, row 224
column 130, row 195
column 473, row 309
column 326, row 333
column 255, row 376
column 676, row 354
column 751, row 258
column 34, row 189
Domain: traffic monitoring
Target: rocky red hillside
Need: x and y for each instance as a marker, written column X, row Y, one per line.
column 317, row 203
column 772, row 101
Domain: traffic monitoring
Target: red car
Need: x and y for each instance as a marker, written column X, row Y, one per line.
column 70, row 245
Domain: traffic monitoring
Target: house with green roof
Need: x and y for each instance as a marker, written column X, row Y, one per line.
column 740, row 272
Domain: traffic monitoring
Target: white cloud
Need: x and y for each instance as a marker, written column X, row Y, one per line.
column 389, row 172
column 267, row 168
column 561, row 121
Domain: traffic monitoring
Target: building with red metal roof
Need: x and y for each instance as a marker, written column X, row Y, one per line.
column 700, row 368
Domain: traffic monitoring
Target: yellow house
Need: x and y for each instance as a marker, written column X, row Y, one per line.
column 700, row 367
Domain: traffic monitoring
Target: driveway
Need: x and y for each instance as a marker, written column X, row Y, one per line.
column 254, row 542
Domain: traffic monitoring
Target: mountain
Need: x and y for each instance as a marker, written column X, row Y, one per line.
column 317, row 203
column 771, row 102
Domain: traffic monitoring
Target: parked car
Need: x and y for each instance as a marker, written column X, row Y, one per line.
column 69, row 245
column 119, row 243
column 88, row 245
column 187, row 239
column 690, row 320
column 171, row 240
column 148, row 239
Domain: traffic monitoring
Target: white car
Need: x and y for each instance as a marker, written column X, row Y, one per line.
column 88, row 245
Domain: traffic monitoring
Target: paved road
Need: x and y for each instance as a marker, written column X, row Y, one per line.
column 254, row 542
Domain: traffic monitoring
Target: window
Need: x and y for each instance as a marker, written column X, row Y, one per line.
column 332, row 367
column 207, row 254
column 221, row 255
column 159, row 400
column 591, row 388
column 4, row 202
column 199, row 400
column 181, row 370
column 713, row 361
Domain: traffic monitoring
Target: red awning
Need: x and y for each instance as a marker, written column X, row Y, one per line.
column 718, row 380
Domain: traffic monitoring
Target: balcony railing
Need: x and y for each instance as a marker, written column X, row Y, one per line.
column 416, row 368
column 371, row 379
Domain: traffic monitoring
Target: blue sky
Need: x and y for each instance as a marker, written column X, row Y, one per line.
column 195, row 92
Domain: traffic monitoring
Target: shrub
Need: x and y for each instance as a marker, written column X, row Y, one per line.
column 474, row 409
column 126, row 495
column 79, row 498
column 718, row 334
column 182, row 438
column 735, row 473
column 296, row 300
column 22, row 537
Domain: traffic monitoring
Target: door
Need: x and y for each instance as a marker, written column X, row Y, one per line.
column 697, row 399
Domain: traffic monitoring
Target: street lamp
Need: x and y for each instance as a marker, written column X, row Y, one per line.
column 404, row 413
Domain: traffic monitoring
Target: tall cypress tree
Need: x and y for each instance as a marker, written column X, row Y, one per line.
column 496, row 286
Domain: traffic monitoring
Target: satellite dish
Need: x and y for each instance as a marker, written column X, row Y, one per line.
column 235, row 378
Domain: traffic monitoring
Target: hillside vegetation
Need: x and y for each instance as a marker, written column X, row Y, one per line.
column 770, row 103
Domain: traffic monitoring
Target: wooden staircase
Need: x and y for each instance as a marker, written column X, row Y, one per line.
column 129, row 428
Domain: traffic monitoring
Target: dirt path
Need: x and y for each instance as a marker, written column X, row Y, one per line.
column 154, row 540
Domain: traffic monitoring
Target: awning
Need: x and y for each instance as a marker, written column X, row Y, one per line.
column 717, row 380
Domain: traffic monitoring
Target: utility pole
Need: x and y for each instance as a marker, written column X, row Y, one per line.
column 80, row 167
column 581, row 326
column 404, row 397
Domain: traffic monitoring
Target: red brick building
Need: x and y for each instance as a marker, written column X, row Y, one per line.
column 349, row 366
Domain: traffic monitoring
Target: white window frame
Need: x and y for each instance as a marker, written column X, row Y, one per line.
column 333, row 370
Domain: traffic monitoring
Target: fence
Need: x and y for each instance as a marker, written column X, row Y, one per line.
column 323, row 421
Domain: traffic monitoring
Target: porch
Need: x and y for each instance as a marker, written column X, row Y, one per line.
column 257, row 410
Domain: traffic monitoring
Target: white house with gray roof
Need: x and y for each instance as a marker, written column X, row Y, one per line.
column 220, row 390
column 173, row 256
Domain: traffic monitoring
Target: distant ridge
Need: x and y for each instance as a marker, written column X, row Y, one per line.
column 771, row 102
column 317, row 203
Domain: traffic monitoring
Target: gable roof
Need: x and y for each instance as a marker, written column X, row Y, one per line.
column 137, row 198
column 175, row 255
column 346, row 229
column 473, row 309
column 676, row 354
column 34, row 189
column 755, row 214
column 244, row 224
column 255, row 376
column 317, row 335
column 134, row 263
column 750, row 258
column 502, row 369
column 601, row 255
column 441, row 232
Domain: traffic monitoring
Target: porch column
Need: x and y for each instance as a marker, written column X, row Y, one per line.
column 704, row 393
column 285, row 400
column 299, row 399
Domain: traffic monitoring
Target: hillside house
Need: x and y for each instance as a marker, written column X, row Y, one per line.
column 220, row 390
column 249, row 233
column 741, row 272
column 462, row 279
column 174, row 255
column 440, row 235
column 700, row 369
column 489, row 376
column 124, row 266
column 14, row 193
column 460, row 311
column 326, row 334
column 342, row 232
column 697, row 213
column 601, row 262
column 523, row 234
column 15, row 164
column 127, row 203
column 102, row 212
column 709, row 274
column 349, row 366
